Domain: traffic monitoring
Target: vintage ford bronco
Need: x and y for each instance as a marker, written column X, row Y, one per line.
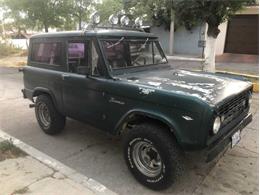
column 120, row 82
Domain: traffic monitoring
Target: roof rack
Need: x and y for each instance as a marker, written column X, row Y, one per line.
column 91, row 27
column 118, row 21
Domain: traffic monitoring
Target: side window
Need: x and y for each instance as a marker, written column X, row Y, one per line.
column 78, row 57
column 48, row 53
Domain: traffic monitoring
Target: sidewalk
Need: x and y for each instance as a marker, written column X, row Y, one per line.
column 22, row 173
column 243, row 64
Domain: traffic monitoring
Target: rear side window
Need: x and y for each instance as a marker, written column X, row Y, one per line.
column 76, row 50
column 78, row 56
column 47, row 53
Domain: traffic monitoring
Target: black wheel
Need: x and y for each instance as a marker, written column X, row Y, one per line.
column 49, row 119
column 152, row 155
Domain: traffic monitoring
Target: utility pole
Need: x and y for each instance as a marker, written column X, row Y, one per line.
column 171, row 39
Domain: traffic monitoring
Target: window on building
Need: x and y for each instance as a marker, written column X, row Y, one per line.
column 48, row 53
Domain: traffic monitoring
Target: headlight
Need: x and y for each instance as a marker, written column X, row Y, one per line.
column 216, row 125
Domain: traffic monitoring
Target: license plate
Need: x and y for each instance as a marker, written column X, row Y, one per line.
column 235, row 139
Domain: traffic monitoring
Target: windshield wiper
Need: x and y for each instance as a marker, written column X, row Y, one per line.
column 119, row 41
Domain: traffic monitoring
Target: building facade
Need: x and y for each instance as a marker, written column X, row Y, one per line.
column 239, row 35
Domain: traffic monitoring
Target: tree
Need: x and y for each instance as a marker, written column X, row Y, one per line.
column 157, row 11
column 16, row 18
column 40, row 13
column 79, row 9
column 191, row 13
column 108, row 7
column 213, row 12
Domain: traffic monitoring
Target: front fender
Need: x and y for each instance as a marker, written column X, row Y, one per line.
column 171, row 123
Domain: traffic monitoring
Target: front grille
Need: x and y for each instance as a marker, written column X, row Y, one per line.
column 233, row 108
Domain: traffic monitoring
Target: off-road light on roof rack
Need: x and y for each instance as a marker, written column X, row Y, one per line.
column 113, row 19
column 138, row 22
column 124, row 20
column 95, row 18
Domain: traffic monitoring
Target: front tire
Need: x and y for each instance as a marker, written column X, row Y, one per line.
column 49, row 119
column 152, row 155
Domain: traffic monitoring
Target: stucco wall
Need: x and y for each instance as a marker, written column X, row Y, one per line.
column 163, row 36
column 185, row 42
column 249, row 10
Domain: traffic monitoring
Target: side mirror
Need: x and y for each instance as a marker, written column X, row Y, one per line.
column 85, row 70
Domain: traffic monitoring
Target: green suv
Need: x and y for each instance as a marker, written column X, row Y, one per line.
column 120, row 81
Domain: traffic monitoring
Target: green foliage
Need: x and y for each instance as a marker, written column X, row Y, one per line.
column 61, row 14
column 64, row 14
column 108, row 7
column 213, row 12
column 77, row 10
column 187, row 12
column 47, row 13
column 156, row 11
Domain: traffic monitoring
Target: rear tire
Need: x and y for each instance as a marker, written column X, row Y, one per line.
column 49, row 119
column 152, row 155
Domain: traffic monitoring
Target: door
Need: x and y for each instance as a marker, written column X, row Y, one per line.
column 82, row 93
column 242, row 35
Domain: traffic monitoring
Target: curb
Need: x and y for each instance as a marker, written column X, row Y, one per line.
column 183, row 58
column 250, row 76
column 72, row 174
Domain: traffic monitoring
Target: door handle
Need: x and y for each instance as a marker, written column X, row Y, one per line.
column 64, row 76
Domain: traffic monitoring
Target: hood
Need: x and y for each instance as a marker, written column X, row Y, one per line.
column 207, row 87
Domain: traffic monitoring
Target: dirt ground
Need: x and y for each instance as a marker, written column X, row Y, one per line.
column 13, row 61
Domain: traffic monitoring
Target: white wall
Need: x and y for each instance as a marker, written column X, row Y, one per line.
column 185, row 42
column 19, row 43
column 163, row 36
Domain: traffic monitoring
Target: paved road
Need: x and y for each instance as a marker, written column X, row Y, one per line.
column 99, row 156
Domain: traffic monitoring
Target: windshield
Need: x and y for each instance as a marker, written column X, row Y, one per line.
column 123, row 53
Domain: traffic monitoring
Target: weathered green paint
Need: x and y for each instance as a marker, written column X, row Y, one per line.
column 157, row 91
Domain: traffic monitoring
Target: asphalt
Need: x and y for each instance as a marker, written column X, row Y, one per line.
column 98, row 155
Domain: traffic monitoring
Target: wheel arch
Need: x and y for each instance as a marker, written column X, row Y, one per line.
column 44, row 91
column 140, row 116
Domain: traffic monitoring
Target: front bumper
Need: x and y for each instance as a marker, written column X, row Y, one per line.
column 219, row 145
